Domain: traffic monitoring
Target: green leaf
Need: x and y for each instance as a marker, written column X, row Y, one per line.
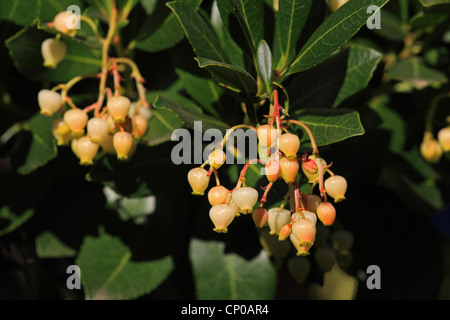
column 392, row 28
column 161, row 126
column 330, row 125
column 427, row 20
column 251, row 14
column 25, row 12
column 417, row 73
column 264, row 62
column 333, row 81
column 49, row 246
column 190, row 115
column 220, row 276
column 202, row 39
column 202, row 90
column 333, row 33
column 108, row 271
column 229, row 76
column 25, row 49
column 429, row 3
column 361, row 64
column 168, row 34
column 42, row 147
column 290, row 20
column 20, row 198
column 391, row 121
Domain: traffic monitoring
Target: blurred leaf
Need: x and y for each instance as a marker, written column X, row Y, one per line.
column 330, row 125
column 108, row 271
column 203, row 40
column 392, row 28
column 20, row 197
column 190, row 115
column 417, row 73
column 49, row 246
column 202, row 90
column 264, row 62
column 230, row 76
column 25, row 49
column 426, row 20
column 42, row 148
column 333, row 33
column 290, row 20
column 427, row 191
column 220, row 276
column 168, row 34
column 338, row 285
column 422, row 167
column 429, row 3
column 391, row 121
column 25, row 12
column 161, row 126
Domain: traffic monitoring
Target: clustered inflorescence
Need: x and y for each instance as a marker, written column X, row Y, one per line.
column 115, row 124
column 278, row 151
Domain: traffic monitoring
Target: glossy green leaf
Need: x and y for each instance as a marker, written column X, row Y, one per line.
column 392, row 27
column 427, row 20
column 264, row 63
column 190, row 115
column 333, row 33
column 417, row 73
column 161, row 126
column 25, row 49
column 25, row 12
column 42, row 147
column 228, row 276
column 330, row 125
column 108, row 271
column 202, row 39
column 290, row 20
column 168, row 34
column 429, row 3
column 361, row 65
column 230, row 76
column 251, row 15
column 202, row 90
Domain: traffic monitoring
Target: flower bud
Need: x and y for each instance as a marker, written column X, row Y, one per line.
column 217, row 158
column 272, row 170
column 118, row 108
column 430, row 148
column 123, row 144
column 301, row 250
column 260, row 217
column 309, row 168
column 312, row 201
column 77, row 120
column 444, row 138
column 49, row 102
column 64, row 21
column 198, row 180
column 289, row 144
column 107, row 144
column 267, row 135
column 217, row 195
column 278, row 217
column 326, row 213
column 336, row 186
column 342, row 240
column 86, row 150
column 285, row 232
column 221, row 215
column 289, row 169
column 245, row 198
column 140, row 125
column 61, row 132
column 299, row 268
column 325, row 258
column 305, row 231
column 53, row 52
column 97, row 129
